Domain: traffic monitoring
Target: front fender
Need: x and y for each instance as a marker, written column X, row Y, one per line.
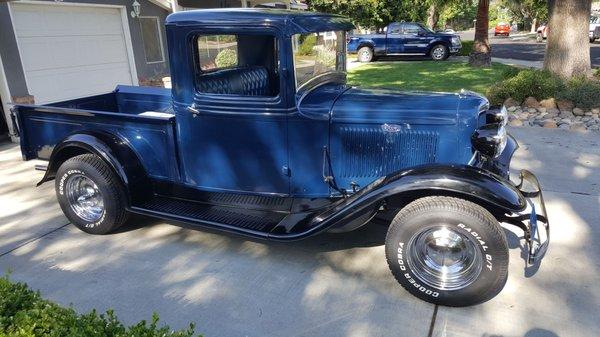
column 114, row 150
column 495, row 193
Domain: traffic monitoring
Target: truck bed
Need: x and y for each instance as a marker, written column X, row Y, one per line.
column 140, row 116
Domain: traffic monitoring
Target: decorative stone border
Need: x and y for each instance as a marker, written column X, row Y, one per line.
column 552, row 114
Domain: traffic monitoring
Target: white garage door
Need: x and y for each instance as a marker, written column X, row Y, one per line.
column 71, row 51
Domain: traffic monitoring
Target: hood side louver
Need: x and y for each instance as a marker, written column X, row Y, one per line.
column 369, row 151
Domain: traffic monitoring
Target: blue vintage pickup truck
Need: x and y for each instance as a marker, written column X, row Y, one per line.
column 258, row 139
column 405, row 38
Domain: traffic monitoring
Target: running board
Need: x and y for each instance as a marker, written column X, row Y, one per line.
column 233, row 219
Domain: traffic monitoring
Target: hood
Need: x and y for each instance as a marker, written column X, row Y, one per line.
column 386, row 106
column 376, row 132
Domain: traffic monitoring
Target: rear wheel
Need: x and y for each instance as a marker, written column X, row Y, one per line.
column 365, row 54
column 447, row 251
column 90, row 194
column 439, row 52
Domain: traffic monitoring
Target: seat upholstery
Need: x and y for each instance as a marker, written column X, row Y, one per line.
column 247, row 81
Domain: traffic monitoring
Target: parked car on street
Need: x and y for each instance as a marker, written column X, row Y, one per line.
column 269, row 141
column 405, row 38
column 502, row 28
column 542, row 31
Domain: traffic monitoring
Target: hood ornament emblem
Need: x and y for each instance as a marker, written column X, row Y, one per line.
column 394, row 128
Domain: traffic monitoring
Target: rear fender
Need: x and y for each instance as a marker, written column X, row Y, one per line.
column 114, row 150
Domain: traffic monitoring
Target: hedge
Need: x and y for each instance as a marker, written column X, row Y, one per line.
column 520, row 84
column 24, row 313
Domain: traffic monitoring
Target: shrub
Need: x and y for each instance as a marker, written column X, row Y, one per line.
column 226, row 58
column 584, row 92
column 535, row 83
column 24, row 313
column 307, row 46
column 467, row 48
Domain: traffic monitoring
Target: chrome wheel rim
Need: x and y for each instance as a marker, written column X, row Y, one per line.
column 438, row 53
column 84, row 197
column 364, row 55
column 444, row 259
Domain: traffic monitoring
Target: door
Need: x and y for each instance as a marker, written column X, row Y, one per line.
column 414, row 38
column 394, row 39
column 70, row 51
column 233, row 135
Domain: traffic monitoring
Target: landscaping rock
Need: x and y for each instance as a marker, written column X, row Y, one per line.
column 516, row 122
column 579, row 127
column 596, row 111
column 575, row 119
column 548, row 103
column 578, row 112
column 564, row 105
column 550, row 124
column 511, row 108
column 511, row 103
column 566, row 114
column 531, row 102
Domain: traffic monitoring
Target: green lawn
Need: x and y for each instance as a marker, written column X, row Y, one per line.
column 426, row 75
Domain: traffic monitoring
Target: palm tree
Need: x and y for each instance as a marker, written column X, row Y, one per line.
column 568, row 49
column 481, row 56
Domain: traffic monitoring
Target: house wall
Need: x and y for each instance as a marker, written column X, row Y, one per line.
column 12, row 63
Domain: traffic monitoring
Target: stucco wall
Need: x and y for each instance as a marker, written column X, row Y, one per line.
column 12, row 63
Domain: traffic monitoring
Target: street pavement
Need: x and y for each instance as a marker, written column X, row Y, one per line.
column 525, row 49
column 330, row 285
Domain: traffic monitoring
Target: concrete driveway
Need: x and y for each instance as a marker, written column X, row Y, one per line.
column 331, row 285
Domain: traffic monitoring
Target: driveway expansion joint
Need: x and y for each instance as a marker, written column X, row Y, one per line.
column 33, row 240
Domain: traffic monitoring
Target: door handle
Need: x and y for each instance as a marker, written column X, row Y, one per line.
column 192, row 108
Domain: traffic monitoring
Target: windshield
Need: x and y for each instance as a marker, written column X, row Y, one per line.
column 318, row 53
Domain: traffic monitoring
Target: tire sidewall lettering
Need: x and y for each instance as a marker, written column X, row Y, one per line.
column 403, row 265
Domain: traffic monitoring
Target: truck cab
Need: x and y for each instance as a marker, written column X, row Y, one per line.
column 263, row 137
column 405, row 38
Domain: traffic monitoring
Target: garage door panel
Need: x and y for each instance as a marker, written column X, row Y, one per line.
column 99, row 79
column 44, row 20
column 65, row 52
column 71, row 51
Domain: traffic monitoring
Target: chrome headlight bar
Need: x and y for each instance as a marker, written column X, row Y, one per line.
column 490, row 139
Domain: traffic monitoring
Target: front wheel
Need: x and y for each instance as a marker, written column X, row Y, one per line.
column 539, row 38
column 439, row 52
column 447, row 251
column 90, row 194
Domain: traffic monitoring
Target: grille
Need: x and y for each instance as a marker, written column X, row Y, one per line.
column 371, row 152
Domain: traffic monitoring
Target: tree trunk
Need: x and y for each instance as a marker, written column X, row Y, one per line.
column 482, row 52
column 568, row 47
column 533, row 25
column 433, row 16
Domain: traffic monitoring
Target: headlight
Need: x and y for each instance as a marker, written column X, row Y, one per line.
column 455, row 40
column 490, row 139
column 497, row 117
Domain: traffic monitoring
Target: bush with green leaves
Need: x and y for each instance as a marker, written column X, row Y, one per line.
column 526, row 83
column 467, row 48
column 226, row 58
column 307, row 45
column 584, row 92
column 24, row 313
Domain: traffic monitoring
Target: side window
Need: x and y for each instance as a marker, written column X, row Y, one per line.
column 395, row 29
column 237, row 64
column 411, row 28
column 152, row 40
